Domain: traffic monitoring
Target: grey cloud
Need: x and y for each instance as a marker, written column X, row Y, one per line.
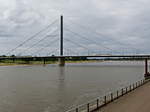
column 115, row 21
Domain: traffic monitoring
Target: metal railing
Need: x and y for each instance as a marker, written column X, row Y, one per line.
column 102, row 101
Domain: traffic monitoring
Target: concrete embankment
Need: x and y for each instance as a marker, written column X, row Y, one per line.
column 135, row 101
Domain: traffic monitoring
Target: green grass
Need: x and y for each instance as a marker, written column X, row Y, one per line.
column 22, row 62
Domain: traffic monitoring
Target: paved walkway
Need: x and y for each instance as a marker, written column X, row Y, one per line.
column 136, row 101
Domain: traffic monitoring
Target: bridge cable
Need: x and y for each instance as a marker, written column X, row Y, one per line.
column 92, row 31
column 30, row 38
column 44, row 38
column 48, row 45
column 83, row 37
column 76, row 43
column 72, row 51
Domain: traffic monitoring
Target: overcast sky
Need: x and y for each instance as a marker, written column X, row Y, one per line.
column 116, row 24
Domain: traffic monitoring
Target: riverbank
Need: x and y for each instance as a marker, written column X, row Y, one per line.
column 22, row 63
column 109, row 62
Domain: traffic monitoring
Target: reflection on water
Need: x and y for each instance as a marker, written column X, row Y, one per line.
column 55, row 89
column 61, row 88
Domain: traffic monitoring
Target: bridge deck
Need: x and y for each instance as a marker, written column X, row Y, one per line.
column 136, row 101
column 92, row 56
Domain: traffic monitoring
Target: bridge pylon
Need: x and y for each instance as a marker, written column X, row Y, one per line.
column 61, row 60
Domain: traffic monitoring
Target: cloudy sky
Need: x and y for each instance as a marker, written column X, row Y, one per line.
column 108, row 25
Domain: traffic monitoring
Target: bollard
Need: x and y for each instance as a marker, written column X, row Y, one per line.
column 97, row 103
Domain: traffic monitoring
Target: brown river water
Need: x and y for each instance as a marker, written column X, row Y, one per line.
column 52, row 88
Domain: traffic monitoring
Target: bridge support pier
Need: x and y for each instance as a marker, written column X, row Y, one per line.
column 147, row 74
column 61, row 61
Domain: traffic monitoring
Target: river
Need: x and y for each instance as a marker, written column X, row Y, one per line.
column 52, row 88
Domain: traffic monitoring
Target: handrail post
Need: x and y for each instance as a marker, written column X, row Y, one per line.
column 97, row 103
column 111, row 96
column 77, row 110
column 130, row 88
column 122, row 91
column 117, row 94
column 105, row 99
column 88, row 107
column 126, row 90
column 133, row 87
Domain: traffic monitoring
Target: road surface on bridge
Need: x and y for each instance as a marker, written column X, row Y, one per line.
column 136, row 101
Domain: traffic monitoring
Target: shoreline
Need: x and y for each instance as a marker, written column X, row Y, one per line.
column 41, row 63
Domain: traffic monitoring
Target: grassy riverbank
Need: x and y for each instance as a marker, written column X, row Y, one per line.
column 41, row 62
column 20, row 62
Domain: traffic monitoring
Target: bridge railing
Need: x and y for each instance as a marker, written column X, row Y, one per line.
column 110, row 97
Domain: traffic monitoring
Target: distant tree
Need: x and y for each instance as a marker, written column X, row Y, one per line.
column 3, row 56
column 13, row 55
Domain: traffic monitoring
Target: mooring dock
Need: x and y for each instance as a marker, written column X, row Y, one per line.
column 135, row 101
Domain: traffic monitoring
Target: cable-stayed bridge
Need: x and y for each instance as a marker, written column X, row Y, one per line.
column 59, row 42
column 61, row 38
